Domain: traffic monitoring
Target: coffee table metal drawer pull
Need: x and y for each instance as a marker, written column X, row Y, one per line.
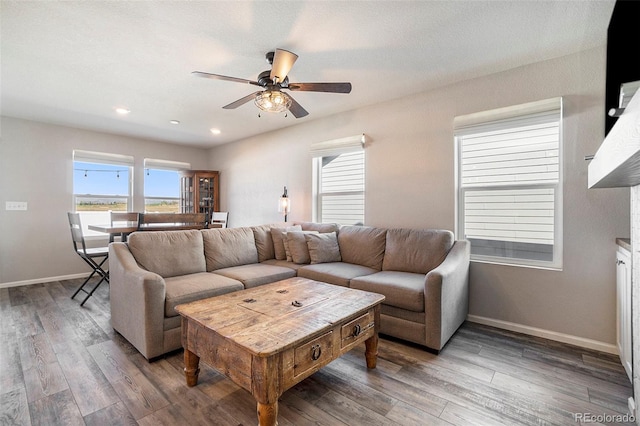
column 284, row 291
column 296, row 303
column 356, row 330
column 249, row 300
column 311, row 355
column 316, row 351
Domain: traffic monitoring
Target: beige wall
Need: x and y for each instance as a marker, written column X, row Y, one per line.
column 410, row 183
column 36, row 167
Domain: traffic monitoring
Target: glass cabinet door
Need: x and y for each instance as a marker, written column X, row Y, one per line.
column 205, row 194
column 199, row 192
column 186, row 194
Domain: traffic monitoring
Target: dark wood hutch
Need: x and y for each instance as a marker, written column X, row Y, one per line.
column 200, row 192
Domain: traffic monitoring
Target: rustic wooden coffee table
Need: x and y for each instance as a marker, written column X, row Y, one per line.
column 268, row 338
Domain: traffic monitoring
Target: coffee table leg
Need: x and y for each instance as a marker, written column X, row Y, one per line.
column 371, row 351
column 191, row 369
column 268, row 414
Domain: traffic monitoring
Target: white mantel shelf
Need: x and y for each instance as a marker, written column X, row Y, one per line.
column 617, row 162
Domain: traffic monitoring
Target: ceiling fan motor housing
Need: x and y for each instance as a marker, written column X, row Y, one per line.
column 264, row 80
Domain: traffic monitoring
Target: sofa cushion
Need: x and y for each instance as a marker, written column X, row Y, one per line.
column 264, row 241
column 418, row 251
column 319, row 227
column 257, row 274
column 282, row 263
column 403, row 290
column 168, row 253
column 323, row 248
column 403, row 314
column 337, row 273
column 295, row 246
column 277, row 235
column 226, row 247
column 362, row 245
column 188, row 288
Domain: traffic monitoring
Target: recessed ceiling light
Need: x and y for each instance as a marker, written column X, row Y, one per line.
column 123, row 111
column 216, row 131
column 174, row 122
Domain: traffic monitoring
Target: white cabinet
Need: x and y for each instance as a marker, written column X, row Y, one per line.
column 623, row 281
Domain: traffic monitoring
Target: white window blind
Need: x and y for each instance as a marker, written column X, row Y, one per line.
column 102, row 158
column 339, row 184
column 338, row 146
column 154, row 163
column 509, row 184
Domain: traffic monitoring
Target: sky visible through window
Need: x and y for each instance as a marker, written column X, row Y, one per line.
column 107, row 179
column 161, row 183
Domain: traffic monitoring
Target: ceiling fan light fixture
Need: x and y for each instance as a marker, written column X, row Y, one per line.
column 273, row 101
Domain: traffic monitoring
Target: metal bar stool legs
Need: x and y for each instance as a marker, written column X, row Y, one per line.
column 97, row 269
column 94, row 257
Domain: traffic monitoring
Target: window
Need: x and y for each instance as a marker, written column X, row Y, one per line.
column 162, row 185
column 102, row 182
column 509, row 179
column 339, row 180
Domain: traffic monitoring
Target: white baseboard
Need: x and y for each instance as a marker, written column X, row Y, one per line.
column 547, row 334
column 43, row 280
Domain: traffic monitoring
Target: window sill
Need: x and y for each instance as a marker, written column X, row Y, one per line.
column 518, row 265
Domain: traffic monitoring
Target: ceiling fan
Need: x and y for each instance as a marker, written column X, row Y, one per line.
column 272, row 98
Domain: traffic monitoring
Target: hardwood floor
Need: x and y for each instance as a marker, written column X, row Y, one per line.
column 62, row 364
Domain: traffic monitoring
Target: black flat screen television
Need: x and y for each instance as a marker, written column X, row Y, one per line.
column 623, row 53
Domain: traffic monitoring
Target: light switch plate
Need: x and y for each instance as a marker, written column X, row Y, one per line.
column 16, row 205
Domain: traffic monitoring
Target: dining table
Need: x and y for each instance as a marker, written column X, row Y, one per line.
column 124, row 228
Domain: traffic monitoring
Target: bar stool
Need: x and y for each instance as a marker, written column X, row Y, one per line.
column 94, row 257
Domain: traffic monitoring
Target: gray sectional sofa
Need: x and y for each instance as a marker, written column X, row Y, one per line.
column 423, row 274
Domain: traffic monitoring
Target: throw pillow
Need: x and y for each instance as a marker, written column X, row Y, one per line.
column 277, row 235
column 323, row 248
column 287, row 251
column 295, row 245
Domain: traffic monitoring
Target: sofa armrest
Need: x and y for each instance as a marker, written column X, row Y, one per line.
column 137, row 299
column 447, row 295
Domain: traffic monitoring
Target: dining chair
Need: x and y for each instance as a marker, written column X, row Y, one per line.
column 94, row 257
column 220, row 218
column 122, row 217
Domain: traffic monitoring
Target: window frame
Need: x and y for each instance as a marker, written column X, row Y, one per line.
column 500, row 119
column 331, row 148
column 162, row 165
column 93, row 157
column 319, row 195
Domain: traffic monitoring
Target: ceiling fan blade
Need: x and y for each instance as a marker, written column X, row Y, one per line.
column 320, row 87
column 283, row 60
column 223, row 77
column 296, row 109
column 242, row 101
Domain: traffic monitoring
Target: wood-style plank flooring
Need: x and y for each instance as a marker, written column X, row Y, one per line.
column 62, row 364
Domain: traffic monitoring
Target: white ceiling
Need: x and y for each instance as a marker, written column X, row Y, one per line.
column 73, row 62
